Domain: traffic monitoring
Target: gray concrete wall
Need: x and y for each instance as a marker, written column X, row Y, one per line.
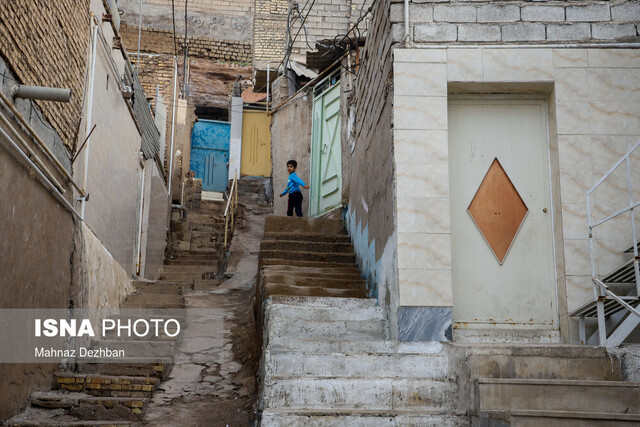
column 156, row 222
column 291, row 140
column 368, row 173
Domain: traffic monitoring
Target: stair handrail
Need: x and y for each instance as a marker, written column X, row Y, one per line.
column 231, row 200
column 601, row 290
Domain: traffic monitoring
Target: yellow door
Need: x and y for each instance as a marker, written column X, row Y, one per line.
column 256, row 144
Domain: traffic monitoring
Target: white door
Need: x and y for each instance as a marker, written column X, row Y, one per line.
column 501, row 223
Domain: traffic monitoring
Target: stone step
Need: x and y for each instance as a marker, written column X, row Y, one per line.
column 326, row 257
column 349, row 273
column 569, row 362
column 350, row 304
column 361, row 418
column 381, row 365
column 184, row 276
column 341, row 309
column 273, row 289
column 151, row 369
column 157, row 288
column 89, row 407
column 307, row 237
column 105, row 385
column 209, row 260
column 377, row 394
column 294, row 245
column 319, row 282
column 331, row 330
column 204, row 218
column 303, row 225
column 40, row 417
column 328, row 266
column 571, row 419
column 499, row 394
column 148, row 301
column 324, row 346
column 201, row 268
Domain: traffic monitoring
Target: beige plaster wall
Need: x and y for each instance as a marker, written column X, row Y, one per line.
column 594, row 110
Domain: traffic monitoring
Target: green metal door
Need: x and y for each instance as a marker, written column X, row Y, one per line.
column 326, row 164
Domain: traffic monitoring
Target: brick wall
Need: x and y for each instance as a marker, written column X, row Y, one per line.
column 155, row 40
column 269, row 27
column 518, row 22
column 235, row 7
column 47, row 46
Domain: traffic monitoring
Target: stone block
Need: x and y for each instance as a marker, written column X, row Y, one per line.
column 568, row 32
column 590, row 13
column 626, row 12
column 523, row 32
column 539, row 13
column 435, row 33
column 498, row 13
column 420, row 13
column 450, row 13
column 612, row 31
column 479, row 33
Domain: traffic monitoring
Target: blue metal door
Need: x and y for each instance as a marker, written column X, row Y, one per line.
column 210, row 153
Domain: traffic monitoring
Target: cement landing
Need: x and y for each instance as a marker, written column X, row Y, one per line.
column 213, row 380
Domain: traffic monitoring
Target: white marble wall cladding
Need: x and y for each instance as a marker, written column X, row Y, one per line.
column 421, row 146
column 525, row 65
column 424, row 250
column 570, row 58
column 464, row 65
column 611, row 255
column 425, row 324
column 425, row 287
column 595, row 118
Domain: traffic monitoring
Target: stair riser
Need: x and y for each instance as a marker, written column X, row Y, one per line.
column 323, row 314
column 181, row 277
column 568, row 422
column 303, row 225
column 329, row 266
column 370, row 394
column 325, row 346
column 344, row 274
column 172, row 269
column 274, row 289
column 314, row 281
column 315, row 238
column 306, row 246
column 585, row 398
column 293, row 329
column 287, row 256
column 286, row 420
column 158, row 289
column 354, row 365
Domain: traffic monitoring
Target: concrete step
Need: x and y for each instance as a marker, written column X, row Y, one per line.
column 324, row 346
column 279, row 328
column 321, row 282
column 349, row 273
column 185, row 276
column 151, row 369
column 294, row 245
column 569, row 362
column 153, row 301
column 303, row 225
column 377, row 394
column 92, row 408
column 340, row 309
column 157, row 288
column 572, row 419
column 336, row 365
column 307, row 237
column 105, row 385
column 33, row 417
column 292, row 255
column 201, row 268
column 340, row 303
column 499, row 394
column 328, row 266
column 205, row 218
column 208, row 260
column 273, row 289
column 361, row 418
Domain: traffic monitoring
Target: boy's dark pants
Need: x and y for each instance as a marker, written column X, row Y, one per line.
column 295, row 201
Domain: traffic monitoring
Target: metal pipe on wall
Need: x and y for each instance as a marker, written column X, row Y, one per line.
column 173, row 122
column 42, row 93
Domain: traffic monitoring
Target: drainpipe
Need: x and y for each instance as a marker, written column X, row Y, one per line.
column 92, row 79
column 406, row 22
column 173, row 121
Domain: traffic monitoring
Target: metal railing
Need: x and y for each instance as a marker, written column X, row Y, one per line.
column 232, row 202
column 601, row 290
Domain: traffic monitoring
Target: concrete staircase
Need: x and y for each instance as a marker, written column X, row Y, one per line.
column 116, row 394
column 326, row 357
column 552, row 385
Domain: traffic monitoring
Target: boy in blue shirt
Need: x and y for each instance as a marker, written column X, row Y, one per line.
column 293, row 188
